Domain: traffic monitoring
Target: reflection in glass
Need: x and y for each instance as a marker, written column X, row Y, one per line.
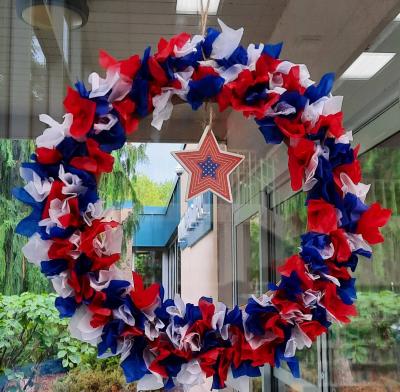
column 149, row 265
column 248, row 258
column 366, row 353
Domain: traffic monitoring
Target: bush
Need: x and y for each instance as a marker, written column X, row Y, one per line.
column 97, row 380
column 104, row 375
column 31, row 332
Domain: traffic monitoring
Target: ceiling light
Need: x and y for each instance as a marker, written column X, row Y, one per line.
column 194, row 6
column 38, row 13
column 367, row 65
column 397, row 18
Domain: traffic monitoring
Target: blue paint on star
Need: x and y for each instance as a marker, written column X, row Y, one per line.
column 209, row 168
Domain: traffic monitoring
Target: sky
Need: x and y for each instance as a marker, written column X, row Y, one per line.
column 161, row 164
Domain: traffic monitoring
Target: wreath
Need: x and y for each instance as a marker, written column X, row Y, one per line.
column 165, row 342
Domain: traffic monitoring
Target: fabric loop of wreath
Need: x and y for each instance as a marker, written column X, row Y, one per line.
column 164, row 342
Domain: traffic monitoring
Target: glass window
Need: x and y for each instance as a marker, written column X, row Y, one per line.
column 248, row 258
column 149, row 265
column 365, row 354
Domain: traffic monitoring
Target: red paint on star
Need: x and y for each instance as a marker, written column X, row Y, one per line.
column 226, row 161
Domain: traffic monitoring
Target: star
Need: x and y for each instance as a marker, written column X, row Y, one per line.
column 208, row 167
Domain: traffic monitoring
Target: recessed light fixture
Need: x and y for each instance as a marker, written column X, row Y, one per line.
column 194, row 6
column 38, row 13
column 367, row 65
column 397, row 18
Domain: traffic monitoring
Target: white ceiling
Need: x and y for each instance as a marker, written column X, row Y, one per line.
column 326, row 35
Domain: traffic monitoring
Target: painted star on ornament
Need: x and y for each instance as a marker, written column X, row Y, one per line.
column 208, row 167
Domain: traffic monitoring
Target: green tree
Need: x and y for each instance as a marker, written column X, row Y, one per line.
column 151, row 193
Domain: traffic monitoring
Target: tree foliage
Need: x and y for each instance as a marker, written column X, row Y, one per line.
column 152, row 193
column 16, row 275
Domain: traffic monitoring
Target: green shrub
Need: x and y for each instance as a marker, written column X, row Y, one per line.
column 32, row 332
column 93, row 380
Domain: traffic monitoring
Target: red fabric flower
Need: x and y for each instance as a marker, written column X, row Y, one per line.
column 233, row 94
column 128, row 68
column 264, row 66
column 321, row 216
column 333, row 303
column 370, row 222
column 333, row 123
column 202, row 72
column 83, row 111
column 291, row 128
column 165, row 48
column 353, row 170
column 312, row 329
column 80, row 284
column 337, row 271
column 60, row 248
column 291, row 80
column 340, row 245
column 141, row 297
column 126, row 110
column 300, row 154
column 296, row 264
column 101, row 315
column 48, row 156
column 157, row 72
column 97, row 162
column 88, row 236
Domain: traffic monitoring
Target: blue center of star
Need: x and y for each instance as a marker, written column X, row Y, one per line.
column 209, row 168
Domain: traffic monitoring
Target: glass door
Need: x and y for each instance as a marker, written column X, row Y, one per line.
column 365, row 354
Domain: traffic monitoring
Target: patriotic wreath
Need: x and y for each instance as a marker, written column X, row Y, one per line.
column 164, row 342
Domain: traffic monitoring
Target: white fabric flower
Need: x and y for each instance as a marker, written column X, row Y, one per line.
column 93, row 211
column 123, row 313
column 152, row 328
column 162, row 103
column 179, row 309
column 226, row 42
column 176, row 333
column 61, row 286
column 36, row 249
column 72, row 183
column 360, row 190
column 55, row 133
column 39, row 189
column 57, row 209
column 105, row 126
column 100, row 86
column 356, row 242
column 190, row 374
column 109, row 242
column 80, row 327
column 298, row 340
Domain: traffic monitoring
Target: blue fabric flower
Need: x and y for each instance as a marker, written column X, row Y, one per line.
column 269, row 130
column 66, row 306
column 134, row 366
column 324, row 87
column 273, row 50
column 239, row 56
column 53, row 267
column 202, row 89
column 347, row 290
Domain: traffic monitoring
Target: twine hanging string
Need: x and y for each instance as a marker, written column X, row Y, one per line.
column 203, row 16
column 204, row 6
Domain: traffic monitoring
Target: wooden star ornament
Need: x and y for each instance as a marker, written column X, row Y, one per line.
column 208, row 167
